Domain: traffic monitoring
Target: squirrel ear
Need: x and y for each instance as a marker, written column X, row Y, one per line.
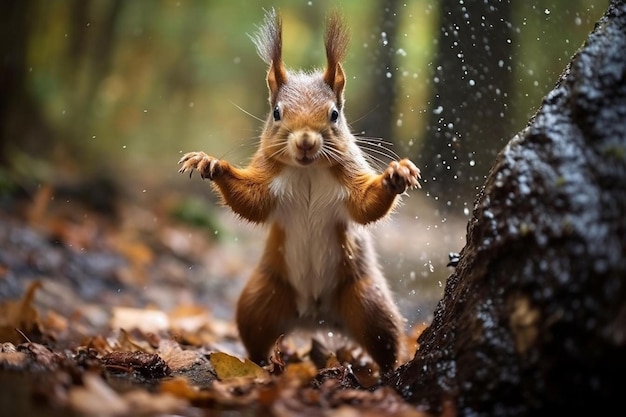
column 276, row 77
column 336, row 41
column 336, row 80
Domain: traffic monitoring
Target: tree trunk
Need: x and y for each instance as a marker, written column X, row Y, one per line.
column 472, row 82
column 21, row 120
column 533, row 319
column 383, row 74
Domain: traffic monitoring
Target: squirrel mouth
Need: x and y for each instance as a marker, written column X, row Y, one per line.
column 305, row 160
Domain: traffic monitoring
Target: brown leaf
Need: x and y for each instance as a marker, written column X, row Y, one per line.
column 299, row 374
column 10, row 357
column 146, row 320
column 181, row 388
column 175, row 357
column 227, row 366
column 127, row 342
column 41, row 354
column 96, row 397
column 20, row 315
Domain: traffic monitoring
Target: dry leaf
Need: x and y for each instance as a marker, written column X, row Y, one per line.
column 177, row 359
column 227, row 366
column 96, row 398
column 146, row 404
column 299, row 374
column 190, row 318
column 10, row 357
column 19, row 315
column 148, row 321
column 181, row 388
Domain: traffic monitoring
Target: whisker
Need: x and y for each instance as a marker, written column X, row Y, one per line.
column 372, row 139
column 247, row 112
column 385, row 154
column 281, row 149
column 332, row 154
column 380, row 150
column 375, row 161
column 365, row 115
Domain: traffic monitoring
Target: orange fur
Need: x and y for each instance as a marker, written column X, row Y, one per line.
column 312, row 184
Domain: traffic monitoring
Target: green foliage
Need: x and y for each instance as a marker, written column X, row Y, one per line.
column 135, row 83
column 197, row 213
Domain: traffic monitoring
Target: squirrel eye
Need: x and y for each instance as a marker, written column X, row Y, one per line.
column 334, row 115
column 277, row 114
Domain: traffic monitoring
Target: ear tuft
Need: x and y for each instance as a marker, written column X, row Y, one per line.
column 336, row 41
column 269, row 45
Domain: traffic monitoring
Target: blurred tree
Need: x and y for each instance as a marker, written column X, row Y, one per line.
column 382, row 91
column 469, row 106
column 21, row 120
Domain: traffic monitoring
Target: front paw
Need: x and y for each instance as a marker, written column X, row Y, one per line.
column 208, row 166
column 401, row 175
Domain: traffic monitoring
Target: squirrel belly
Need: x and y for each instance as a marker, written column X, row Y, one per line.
column 310, row 209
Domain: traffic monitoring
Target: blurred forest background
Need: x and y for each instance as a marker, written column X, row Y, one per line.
column 105, row 95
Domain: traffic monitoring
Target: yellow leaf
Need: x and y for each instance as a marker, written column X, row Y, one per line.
column 227, row 366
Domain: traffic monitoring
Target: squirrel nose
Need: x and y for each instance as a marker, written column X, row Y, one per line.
column 305, row 142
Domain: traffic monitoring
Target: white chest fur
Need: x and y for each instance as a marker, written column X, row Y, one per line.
column 311, row 202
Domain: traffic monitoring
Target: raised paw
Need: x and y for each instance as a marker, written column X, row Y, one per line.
column 401, row 175
column 208, row 166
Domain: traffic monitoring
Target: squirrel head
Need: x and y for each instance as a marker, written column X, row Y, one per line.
column 306, row 123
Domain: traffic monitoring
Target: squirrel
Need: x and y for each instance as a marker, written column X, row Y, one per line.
column 313, row 185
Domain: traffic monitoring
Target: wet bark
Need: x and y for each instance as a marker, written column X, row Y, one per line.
column 533, row 319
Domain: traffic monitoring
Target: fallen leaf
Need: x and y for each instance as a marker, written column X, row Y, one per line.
column 127, row 342
column 144, row 403
column 13, row 359
column 189, row 318
column 227, row 366
column 181, row 388
column 41, row 354
column 148, row 321
column 96, row 398
column 19, row 315
column 176, row 358
column 299, row 374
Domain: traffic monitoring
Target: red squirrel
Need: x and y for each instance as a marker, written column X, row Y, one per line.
column 312, row 184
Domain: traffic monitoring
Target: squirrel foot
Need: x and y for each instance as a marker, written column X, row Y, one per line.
column 208, row 166
column 401, row 175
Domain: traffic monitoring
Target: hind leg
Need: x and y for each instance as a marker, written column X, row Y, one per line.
column 372, row 319
column 266, row 309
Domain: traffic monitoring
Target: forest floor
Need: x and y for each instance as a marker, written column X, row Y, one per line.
column 117, row 306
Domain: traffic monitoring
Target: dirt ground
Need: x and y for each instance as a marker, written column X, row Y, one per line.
column 128, row 310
